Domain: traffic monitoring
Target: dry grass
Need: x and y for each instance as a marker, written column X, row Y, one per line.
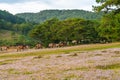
column 109, row 66
column 7, row 61
column 84, row 62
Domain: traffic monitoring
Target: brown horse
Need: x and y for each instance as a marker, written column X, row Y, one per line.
column 51, row 45
column 62, row 44
column 38, row 46
column 57, row 45
column 74, row 42
column 4, row 48
column 21, row 47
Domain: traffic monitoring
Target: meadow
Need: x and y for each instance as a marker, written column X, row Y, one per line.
column 81, row 62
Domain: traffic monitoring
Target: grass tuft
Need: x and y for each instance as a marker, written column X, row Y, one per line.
column 109, row 66
column 117, row 52
column 8, row 61
column 98, row 54
column 38, row 57
column 74, row 54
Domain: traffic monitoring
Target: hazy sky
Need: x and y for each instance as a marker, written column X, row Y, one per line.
column 20, row 6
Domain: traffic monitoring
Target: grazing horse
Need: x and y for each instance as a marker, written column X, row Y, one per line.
column 74, row 42
column 12, row 48
column 52, row 45
column 62, row 44
column 21, row 47
column 57, row 45
column 4, row 48
column 38, row 46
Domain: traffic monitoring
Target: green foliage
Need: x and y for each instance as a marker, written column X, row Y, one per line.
column 108, row 6
column 4, row 15
column 61, row 25
column 109, row 28
column 13, row 23
column 52, row 30
column 17, row 26
column 45, row 32
column 60, row 14
column 55, row 31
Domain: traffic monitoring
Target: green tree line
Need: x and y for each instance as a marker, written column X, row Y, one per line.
column 110, row 22
column 54, row 31
column 60, row 14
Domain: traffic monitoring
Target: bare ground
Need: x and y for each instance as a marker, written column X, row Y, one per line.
column 93, row 65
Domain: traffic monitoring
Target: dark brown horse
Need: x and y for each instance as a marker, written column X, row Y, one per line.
column 62, row 44
column 21, row 47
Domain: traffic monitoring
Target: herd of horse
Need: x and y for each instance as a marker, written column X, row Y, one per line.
column 22, row 47
column 51, row 45
column 15, row 48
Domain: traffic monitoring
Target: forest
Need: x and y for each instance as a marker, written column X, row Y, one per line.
column 60, row 14
column 53, row 26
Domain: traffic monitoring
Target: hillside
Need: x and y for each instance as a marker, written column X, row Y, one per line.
column 12, row 28
column 8, row 22
column 4, row 15
column 6, row 34
column 60, row 14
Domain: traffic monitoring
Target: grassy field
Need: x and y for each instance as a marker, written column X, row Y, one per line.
column 81, row 62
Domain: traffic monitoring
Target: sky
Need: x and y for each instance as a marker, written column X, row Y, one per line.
column 22, row 6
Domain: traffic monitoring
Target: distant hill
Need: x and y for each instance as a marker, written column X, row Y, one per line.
column 8, row 17
column 9, row 24
column 60, row 14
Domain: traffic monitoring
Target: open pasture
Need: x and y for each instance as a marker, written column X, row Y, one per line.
column 82, row 62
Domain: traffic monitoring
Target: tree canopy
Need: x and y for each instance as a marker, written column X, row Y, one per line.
column 60, row 14
column 110, row 22
column 108, row 5
column 5, row 15
column 54, row 30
